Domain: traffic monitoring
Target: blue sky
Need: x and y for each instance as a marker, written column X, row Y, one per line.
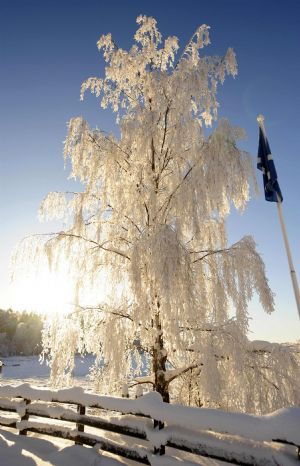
column 47, row 48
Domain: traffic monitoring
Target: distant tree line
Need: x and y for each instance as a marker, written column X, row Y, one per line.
column 20, row 333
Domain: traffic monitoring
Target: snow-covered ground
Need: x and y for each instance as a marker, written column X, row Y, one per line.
column 36, row 450
column 18, row 450
column 20, row 369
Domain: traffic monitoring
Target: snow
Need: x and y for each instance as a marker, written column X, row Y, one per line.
column 30, row 451
column 53, row 411
column 283, row 424
column 18, row 450
column 18, row 369
column 209, row 432
column 8, row 420
column 266, row 346
column 168, row 268
column 225, row 446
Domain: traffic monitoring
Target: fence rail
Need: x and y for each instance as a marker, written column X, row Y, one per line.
column 146, row 426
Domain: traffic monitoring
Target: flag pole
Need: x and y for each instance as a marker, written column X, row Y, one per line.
column 260, row 120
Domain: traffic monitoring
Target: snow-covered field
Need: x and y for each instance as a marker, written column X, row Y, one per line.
column 20, row 369
column 17, row 450
column 36, row 450
column 39, row 450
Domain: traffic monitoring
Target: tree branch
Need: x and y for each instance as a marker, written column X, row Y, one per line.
column 112, row 142
column 73, row 235
column 100, row 309
column 165, row 128
column 264, row 377
column 174, row 373
column 210, row 253
column 128, row 218
column 147, row 212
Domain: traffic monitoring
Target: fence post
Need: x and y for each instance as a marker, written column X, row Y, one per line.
column 125, row 393
column 24, row 417
column 162, row 449
column 138, row 391
column 79, row 425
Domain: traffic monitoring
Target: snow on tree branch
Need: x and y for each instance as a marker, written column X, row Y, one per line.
column 150, row 224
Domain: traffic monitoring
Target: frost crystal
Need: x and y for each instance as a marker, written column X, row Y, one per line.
column 152, row 216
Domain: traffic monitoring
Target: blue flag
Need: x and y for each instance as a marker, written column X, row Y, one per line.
column 265, row 163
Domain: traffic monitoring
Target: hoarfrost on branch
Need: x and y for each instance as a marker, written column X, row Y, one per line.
column 152, row 215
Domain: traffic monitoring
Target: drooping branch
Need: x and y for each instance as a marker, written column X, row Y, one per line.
column 157, row 185
column 107, row 310
column 256, row 369
column 88, row 240
column 203, row 30
column 127, row 218
column 101, row 309
column 111, row 142
column 211, row 252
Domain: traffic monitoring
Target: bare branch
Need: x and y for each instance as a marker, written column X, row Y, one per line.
column 147, row 211
column 80, row 237
column 167, row 202
column 264, row 377
column 211, row 252
column 101, row 309
column 112, row 142
column 165, row 128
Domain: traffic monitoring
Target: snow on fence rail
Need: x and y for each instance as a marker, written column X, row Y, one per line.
column 238, row 438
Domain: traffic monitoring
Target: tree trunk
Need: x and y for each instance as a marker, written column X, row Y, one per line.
column 159, row 362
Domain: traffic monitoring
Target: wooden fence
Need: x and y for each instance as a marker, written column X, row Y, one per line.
column 138, row 429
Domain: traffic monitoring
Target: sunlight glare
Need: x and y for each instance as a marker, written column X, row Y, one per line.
column 51, row 293
column 47, row 293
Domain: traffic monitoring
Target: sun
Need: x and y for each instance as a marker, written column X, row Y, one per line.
column 54, row 292
column 46, row 293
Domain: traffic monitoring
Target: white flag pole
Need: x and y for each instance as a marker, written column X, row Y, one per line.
column 260, row 120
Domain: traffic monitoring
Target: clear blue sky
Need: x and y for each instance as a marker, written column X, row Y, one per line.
column 47, row 48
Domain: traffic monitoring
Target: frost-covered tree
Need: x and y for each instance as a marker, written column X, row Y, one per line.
column 249, row 376
column 149, row 227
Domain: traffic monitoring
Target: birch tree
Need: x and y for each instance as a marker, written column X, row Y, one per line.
column 150, row 223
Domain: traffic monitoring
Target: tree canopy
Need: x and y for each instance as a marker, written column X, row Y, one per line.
column 150, row 223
